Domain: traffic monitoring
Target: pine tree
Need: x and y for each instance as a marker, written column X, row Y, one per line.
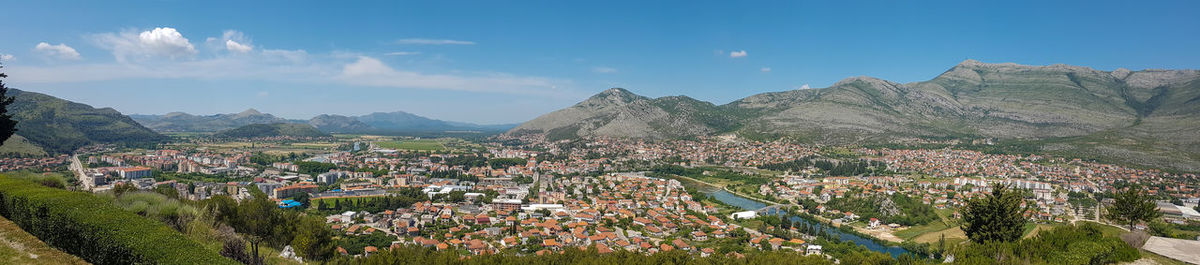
column 1132, row 206
column 8, row 126
column 999, row 216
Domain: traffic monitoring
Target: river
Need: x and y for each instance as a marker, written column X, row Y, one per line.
column 750, row 205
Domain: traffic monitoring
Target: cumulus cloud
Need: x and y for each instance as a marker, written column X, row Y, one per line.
column 6, row 57
column 60, row 51
column 805, row 86
column 737, row 54
column 604, row 70
column 234, row 46
column 367, row 71
column 159, row 42
column 136, row 52
column 765, row 69
column 421, row 41
column 401, row 53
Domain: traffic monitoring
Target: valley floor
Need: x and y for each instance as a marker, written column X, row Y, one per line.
column 19, row 247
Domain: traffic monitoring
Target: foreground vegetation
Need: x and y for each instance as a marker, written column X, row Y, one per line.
column 95, row 229
column 19, row 247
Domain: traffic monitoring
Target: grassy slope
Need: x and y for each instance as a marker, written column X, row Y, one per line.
column 19, row 247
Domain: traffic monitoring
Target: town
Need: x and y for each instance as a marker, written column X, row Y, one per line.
column 608, row 194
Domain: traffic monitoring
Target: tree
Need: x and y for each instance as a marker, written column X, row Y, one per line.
column 999, row 216
column 1132, row 206
column 313, row 240
column 8, row 126
column 258, row 218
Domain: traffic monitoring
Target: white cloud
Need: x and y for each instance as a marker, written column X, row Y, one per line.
column 231, row 40
column 6, row 57
column 159, row 42
column 401, row 53
column 604, row 70
column 367, row 71
column 433, row 42
column 136, row 61
column 765, row 69
column 263, row 94
column 737, row 54
column 237, row 47
column 60, row 51
column 805, row 86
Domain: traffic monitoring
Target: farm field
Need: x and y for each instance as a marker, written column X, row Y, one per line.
column 417, row 145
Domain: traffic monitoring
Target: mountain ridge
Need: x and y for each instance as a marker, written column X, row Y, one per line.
column 376, row 122
column 1135, row 115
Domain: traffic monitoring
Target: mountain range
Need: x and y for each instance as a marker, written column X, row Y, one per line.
column 1147, row 117
column 378, row 123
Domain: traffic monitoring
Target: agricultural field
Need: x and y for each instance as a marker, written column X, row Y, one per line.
column 416, row 145
column 19, row 247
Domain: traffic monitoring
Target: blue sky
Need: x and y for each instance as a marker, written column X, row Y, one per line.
column 510, row 61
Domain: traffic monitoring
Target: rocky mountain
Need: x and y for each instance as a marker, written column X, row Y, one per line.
column 271, row 130
column 620, row 113
column 59, row 126
column 1149, row 117
column 183, row 122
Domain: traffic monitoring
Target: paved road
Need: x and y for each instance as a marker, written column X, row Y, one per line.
column 77, row 167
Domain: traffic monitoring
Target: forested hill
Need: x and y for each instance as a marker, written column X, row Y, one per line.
column 60, row 126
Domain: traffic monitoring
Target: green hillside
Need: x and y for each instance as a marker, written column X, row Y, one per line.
column 61, row 126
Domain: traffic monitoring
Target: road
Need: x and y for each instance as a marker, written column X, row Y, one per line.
column 77, row 167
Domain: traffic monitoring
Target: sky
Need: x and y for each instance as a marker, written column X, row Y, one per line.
column 496, row 62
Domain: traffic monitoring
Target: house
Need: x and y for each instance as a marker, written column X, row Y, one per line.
column 813, row 250
column 744, row 215
column 874, row 223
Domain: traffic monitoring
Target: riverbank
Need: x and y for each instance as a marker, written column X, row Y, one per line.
column 745, row 202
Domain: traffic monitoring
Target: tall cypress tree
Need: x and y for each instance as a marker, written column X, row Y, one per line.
column 8, row 126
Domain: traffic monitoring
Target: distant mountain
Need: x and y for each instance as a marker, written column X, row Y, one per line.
column 1149, row 117
column 60, row 126
column 403, row 121
column 183, row 122
column 400, row 121
column 379, row 122
column 619, row 113
column 271, row 130
column 339, row 124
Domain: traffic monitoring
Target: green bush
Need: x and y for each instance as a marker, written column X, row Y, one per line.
column 94, row 229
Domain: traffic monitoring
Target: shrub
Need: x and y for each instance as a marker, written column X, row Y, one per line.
column 94, row 229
